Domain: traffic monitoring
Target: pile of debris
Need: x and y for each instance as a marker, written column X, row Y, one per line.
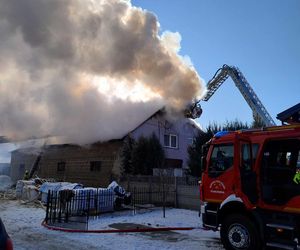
column 29, row 190
column 108, row 199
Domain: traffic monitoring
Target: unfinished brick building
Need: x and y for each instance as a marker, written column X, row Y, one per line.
column 95, row 165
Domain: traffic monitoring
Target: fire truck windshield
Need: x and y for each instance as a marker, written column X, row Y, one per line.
column 221, row 159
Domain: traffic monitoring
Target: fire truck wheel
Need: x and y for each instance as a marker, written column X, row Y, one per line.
column 239, row 232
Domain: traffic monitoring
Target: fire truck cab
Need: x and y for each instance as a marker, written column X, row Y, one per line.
column 250, row 188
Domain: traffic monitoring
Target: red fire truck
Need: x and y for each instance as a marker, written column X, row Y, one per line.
column 250, row 188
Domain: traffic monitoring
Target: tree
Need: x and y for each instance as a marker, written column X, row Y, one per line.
column 195, row 154
column 147, row 154
column 234, row 125
column 257, row 122
column 126, row 155
column 139, row 155
column 213, row 128
column 156, row 154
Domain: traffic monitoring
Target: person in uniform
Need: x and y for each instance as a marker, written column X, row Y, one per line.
column 26, row 175
column 296, row 178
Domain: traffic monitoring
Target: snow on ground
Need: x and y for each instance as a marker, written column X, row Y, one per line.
column 23, row 223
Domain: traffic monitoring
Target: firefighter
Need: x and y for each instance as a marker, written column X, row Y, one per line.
column 297, row 176
column 220, row 164
column 26, row 175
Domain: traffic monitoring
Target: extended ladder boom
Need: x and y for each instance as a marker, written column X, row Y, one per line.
column 244, row 87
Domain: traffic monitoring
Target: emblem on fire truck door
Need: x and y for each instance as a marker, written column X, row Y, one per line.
column 217, row 187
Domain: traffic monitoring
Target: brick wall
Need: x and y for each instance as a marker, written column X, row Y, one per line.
column 75, row 163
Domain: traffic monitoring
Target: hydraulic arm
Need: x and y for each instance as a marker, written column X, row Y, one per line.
column 244, row 87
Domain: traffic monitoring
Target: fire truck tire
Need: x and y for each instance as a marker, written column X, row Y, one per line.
column 239, row 232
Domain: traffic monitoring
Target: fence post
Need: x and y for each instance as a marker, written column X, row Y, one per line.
column 88, row 212
column 50, row 206
column 47, row 208
column 134, row 194
column 66, row 210
column 150, row 190
column 60, row 211
column 164, row 201
column 55, row 206
column 176, row 194
column 96, row 200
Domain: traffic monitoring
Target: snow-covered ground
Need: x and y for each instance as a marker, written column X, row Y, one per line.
column 23, row 222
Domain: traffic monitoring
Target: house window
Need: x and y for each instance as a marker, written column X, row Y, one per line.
column 95, row 166
column 171, row 141
column 61, row 166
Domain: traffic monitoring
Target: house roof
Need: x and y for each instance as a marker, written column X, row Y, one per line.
column 290, row 115
column 161, row 111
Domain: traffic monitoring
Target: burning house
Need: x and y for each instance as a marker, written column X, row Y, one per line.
column 99, row 163
column 90, row 70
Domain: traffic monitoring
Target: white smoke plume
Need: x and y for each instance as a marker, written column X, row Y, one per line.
column 87, row 70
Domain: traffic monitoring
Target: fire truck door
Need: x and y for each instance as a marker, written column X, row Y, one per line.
column 248, row 175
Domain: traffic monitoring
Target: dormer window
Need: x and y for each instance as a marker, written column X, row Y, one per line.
column 171, row 141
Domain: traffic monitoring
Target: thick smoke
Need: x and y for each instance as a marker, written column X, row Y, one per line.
column 86, row 70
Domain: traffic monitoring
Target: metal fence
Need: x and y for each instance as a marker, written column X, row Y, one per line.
column 73, row 209
column 185, row 189
column 146, row 198
column 72, row 206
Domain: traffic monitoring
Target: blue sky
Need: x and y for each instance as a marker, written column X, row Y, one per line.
column 262, row 38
